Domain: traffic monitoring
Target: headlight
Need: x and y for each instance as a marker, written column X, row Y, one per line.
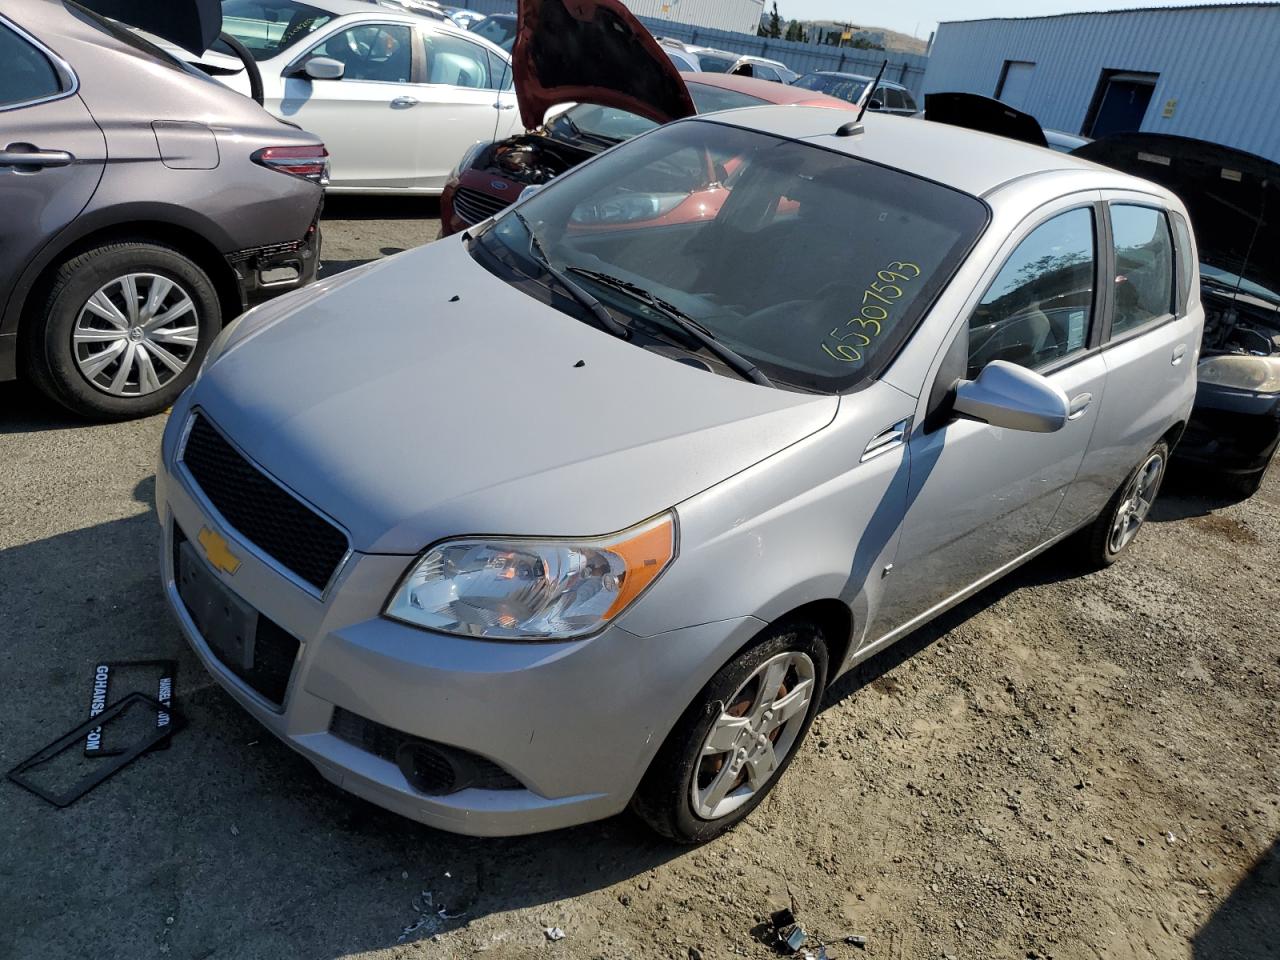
column 532, row 589
column 629, row 208
column 468, row 159
column 1260, row 374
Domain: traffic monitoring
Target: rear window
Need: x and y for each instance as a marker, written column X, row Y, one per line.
column 813, row 264
column 714, row 64
column 610, row 123
column 497, row 30
column 268, row 27
column 846, row 88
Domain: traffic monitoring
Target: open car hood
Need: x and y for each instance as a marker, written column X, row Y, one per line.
column 983, row 114
column 592, row 51
column 1233, row 197
column 191, row 24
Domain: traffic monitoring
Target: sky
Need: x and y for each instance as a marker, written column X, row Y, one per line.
column 920, row 17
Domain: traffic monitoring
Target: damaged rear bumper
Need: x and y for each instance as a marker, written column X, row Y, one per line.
column 268, row 271
column 1231, row 431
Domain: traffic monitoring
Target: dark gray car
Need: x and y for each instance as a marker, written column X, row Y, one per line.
column 145, row 205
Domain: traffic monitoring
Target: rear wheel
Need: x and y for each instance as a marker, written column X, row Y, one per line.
column 734, row 742
column 124, row 330
column 1118, row 524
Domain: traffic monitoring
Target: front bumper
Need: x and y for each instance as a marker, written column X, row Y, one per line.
column 575, row 723
column 1231, row 431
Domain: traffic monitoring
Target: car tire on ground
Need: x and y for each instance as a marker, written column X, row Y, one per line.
column 1102, row 543
column 737, row 738
column 123, row 330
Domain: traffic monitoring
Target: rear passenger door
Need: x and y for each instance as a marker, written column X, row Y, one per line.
column 468, row 96
column 51, row 152
column 1150, row 346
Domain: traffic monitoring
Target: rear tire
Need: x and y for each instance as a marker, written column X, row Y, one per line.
column 694, row 791
column 162, row 306
column 1115, row 529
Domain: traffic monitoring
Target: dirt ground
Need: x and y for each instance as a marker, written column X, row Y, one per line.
column 1066, row 766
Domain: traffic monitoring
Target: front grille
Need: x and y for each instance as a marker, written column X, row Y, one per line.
column 431, row 768
column 472, row 206
column 262, row 511
column 274, row 648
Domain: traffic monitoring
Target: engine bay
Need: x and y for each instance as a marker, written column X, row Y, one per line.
column 1237, row 323
column 530, row 159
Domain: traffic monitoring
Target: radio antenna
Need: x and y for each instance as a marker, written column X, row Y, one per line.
column 872, row 89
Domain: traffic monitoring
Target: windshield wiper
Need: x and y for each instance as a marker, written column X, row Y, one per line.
column 606, row 320
column 732, row 359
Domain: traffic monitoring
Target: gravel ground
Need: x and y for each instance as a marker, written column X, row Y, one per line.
column 1066, row 766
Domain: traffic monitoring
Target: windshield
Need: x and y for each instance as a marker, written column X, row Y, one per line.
column 614, row 125
column 499, row 30
column 711, row 63
column 1228, row 279
column 267, row 27
column 811, row 264
column 848, row 88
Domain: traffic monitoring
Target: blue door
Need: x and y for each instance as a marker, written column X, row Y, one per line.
column 1123, row 107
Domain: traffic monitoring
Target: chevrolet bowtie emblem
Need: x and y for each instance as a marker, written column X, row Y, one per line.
column 217, row 552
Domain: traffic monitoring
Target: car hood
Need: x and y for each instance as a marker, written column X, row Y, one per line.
column 592, row 51
column 421, row 397
column 1233, row 197
column 984, row 114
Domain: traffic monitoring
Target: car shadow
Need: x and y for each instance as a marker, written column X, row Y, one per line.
column 229, row 832
column 1052, row 566
column 1246, row 926
column 1189, row 492
column 24, row 409
column 380, row 207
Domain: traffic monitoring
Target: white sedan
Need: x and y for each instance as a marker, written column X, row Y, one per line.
column 396, row 97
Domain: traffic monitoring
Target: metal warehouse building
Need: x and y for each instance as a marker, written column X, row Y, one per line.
column 737, row 16
column 1210, row 72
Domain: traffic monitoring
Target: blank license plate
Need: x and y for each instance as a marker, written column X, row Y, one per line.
column 226, row 622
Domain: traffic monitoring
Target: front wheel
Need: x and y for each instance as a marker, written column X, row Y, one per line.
column 735, row 740
column 1118, row 524
column 124, row 330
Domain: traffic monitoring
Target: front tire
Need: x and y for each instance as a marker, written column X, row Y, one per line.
column 1118, row 524
column 737, row 738
column 123, row 331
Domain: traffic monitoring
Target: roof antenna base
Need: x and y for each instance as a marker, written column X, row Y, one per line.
column 851, row 129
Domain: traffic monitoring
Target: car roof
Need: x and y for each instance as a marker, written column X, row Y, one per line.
column 935, row 151
column 858, row 76
column 777, row 94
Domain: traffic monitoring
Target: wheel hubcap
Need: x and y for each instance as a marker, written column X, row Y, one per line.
column 135, row 334
column 753, row 735
column 1136, row 503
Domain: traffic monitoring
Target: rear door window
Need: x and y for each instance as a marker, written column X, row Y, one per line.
column 26, row 75
column 458, row 63
column 1144, row 286
column 1040, row 307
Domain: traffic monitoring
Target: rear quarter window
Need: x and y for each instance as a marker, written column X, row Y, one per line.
column 26, row 74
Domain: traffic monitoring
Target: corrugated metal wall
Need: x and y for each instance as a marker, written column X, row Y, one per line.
column 738, row 16
column 907, row 69
column 1221, row 64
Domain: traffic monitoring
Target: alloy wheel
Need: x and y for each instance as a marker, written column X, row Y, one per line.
column 1136, row 503
column 753, row 735
column 135, row 334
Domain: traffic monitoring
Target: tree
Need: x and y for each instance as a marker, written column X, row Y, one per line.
column 775, row 22
column 796, row 32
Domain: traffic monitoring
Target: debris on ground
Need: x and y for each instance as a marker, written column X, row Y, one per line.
column 553, row 933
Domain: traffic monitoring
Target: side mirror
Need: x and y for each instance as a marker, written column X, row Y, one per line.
column 324, row 68
column 1010, row 396
column 874, row 105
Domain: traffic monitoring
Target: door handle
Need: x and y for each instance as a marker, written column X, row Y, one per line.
column 405, row 102
column 28, row 158
column 887, row 439
column 1179, row 352
column 1079, row 405
column 499, row 105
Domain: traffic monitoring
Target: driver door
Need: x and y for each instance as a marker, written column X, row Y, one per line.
column 366, row 118
column 981, row 497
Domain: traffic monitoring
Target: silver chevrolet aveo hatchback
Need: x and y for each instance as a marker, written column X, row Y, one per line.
column 585, row 508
